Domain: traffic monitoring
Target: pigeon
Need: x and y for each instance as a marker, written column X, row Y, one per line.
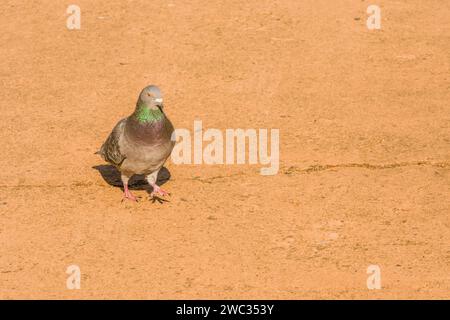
column 141, row 143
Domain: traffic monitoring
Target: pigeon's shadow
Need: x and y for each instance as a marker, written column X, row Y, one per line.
column 112, row 176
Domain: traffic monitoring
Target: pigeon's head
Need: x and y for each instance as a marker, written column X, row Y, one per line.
column 152, row 97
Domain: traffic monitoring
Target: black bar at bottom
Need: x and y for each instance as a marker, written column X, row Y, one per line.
column 225, row 309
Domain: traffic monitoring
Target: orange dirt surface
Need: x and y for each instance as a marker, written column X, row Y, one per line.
column 364, row 120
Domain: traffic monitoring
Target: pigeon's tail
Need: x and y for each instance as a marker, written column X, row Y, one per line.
column 101, row 153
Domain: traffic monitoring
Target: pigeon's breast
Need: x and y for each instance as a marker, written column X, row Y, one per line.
column 145, row 159
column 146, row 147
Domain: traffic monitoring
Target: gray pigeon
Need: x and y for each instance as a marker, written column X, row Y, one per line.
column 141, row 143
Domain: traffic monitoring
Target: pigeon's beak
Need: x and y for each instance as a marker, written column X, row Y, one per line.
column 159, row 102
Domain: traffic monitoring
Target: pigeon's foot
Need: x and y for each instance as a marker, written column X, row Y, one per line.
column 157, row 190
column 128, row 195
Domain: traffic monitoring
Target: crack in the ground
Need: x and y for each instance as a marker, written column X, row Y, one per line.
column 211, row 179
column 76, row 184
column 288, row 171
column 320, row 167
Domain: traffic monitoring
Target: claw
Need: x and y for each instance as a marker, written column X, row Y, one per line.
column 128, row 195
column 132, row 198
column 158, row 191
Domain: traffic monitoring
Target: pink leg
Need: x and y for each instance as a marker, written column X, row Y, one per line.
column 126, row 192
column 157, row 190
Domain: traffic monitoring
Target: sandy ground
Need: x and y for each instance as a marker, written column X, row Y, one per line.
column 364, row 143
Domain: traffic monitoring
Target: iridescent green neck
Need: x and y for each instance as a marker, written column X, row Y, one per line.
column 145, row 115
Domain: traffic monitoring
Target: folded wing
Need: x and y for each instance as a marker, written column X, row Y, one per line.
column 110, row 150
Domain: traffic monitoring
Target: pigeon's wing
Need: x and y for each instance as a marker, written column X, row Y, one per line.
column 110, row 150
